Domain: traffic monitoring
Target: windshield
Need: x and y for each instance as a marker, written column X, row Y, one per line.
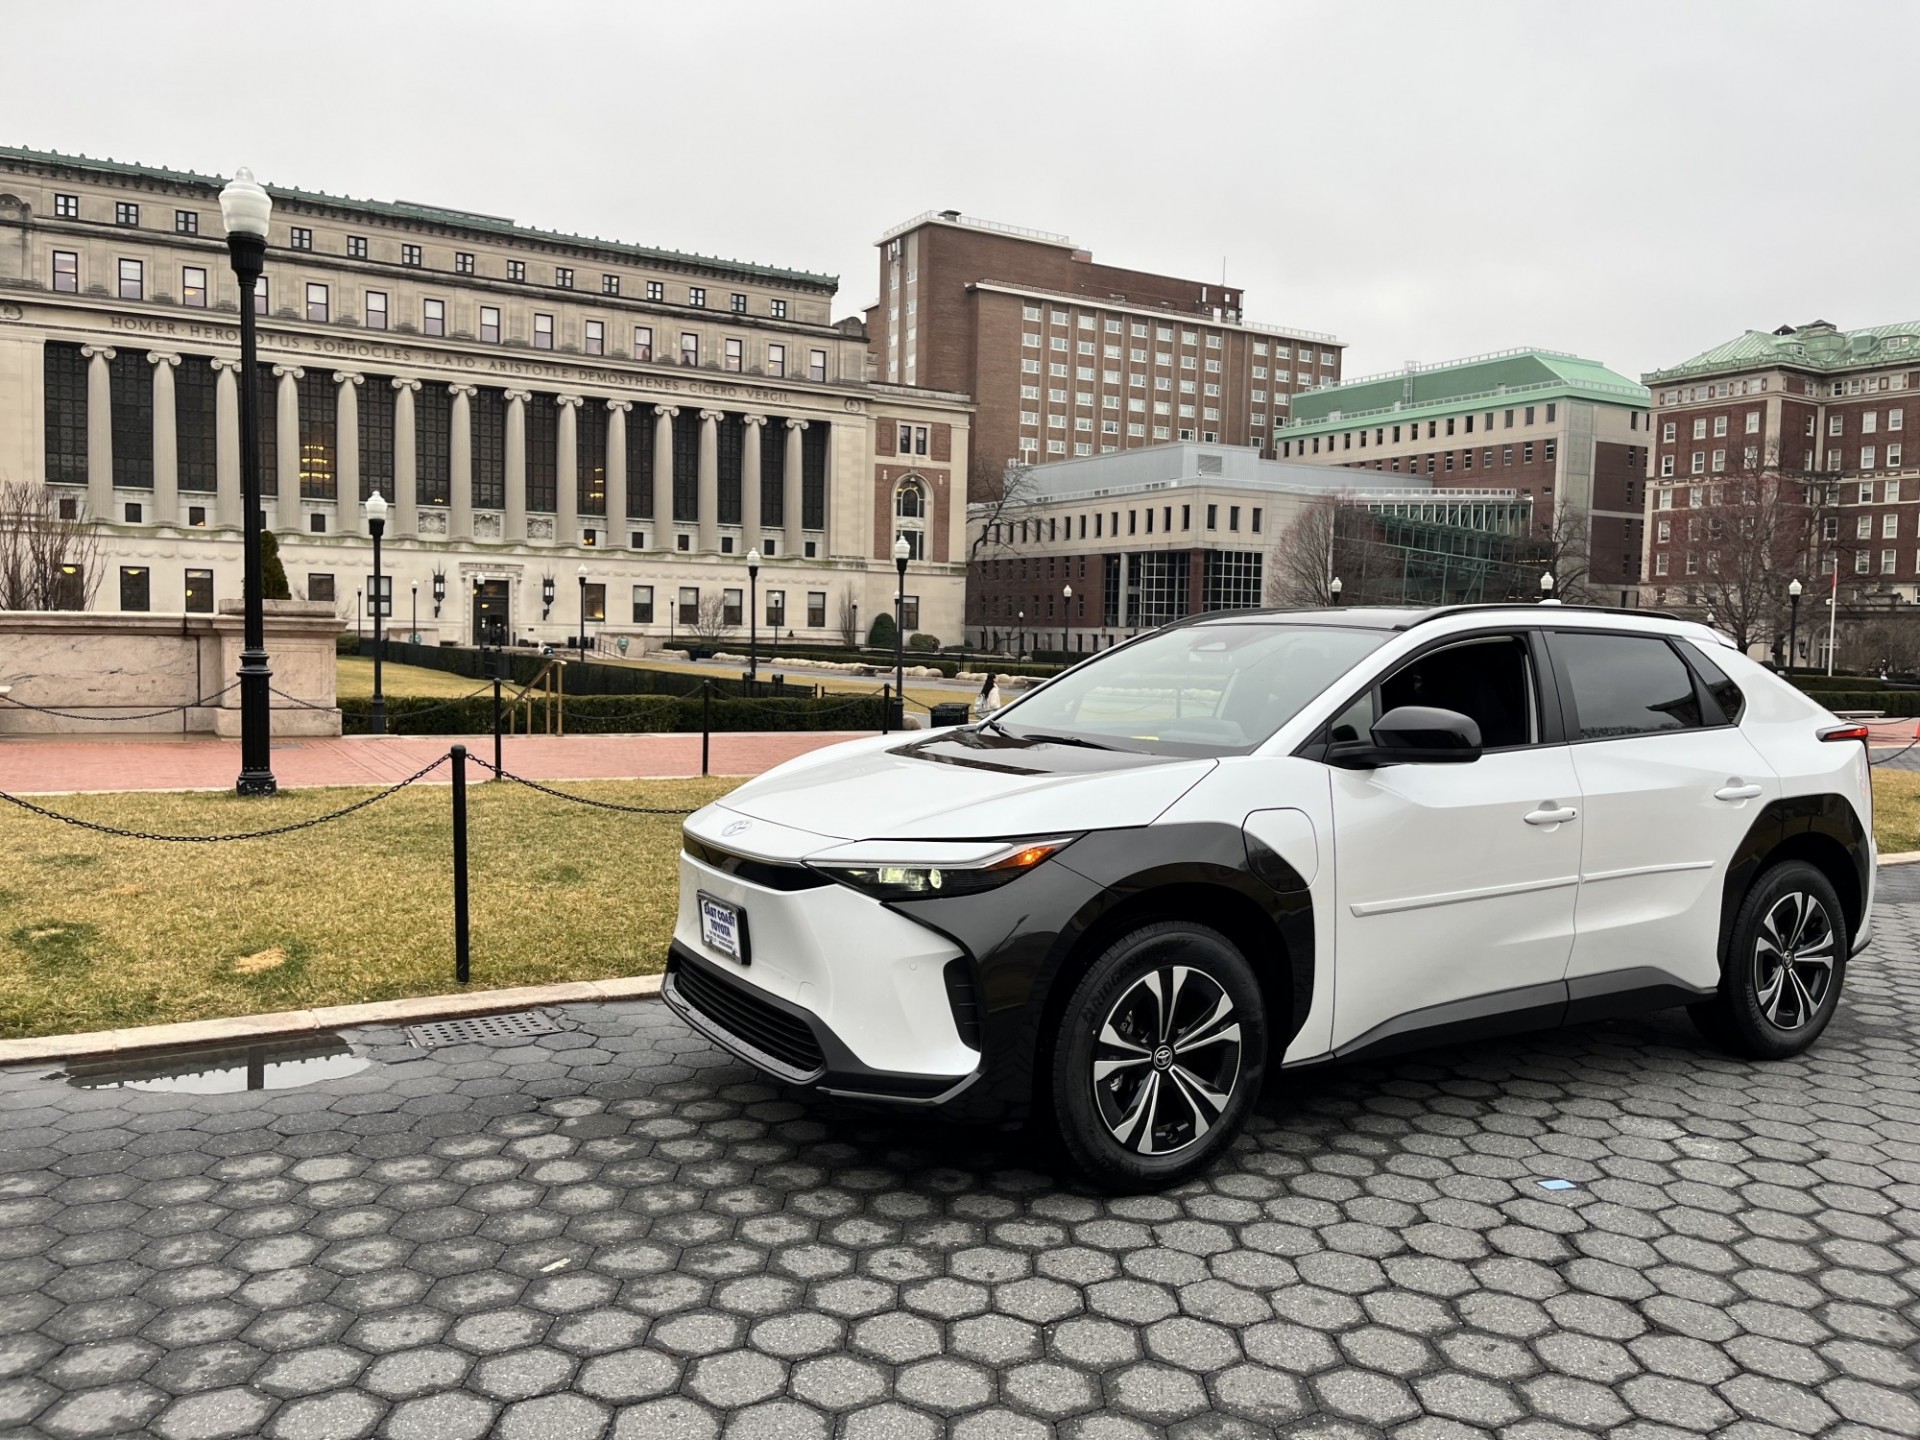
column 1209, row 689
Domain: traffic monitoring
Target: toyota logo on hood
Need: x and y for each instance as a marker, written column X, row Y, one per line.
column 736, row 827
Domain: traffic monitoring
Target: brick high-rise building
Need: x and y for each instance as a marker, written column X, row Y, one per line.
column 1566, row 433
column 1064, row 357
column 1812, row 405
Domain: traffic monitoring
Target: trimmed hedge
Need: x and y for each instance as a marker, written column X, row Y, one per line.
column 617, row 715
column 1896, row 703
column 948, row 662
column 587, row 678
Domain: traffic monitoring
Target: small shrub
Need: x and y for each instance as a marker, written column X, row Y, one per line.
column 922, row 642
column 882, row 633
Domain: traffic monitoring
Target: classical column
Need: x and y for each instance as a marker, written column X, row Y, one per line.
column 287, row 447
column 708, row 491
column 346, row 439
column 406, row 461
column 517, row 463
column 99, row 431
column 790, row 544
column 750, row 479
column 663, row 476
column 617, row 471
column 566, row 509
column 226, row 444
column 460, row 465
column 166, row 442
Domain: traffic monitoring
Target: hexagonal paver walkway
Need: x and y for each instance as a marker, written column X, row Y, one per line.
column 616, row 1231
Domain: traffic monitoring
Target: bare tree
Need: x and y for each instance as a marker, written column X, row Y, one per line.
column 47, row 561
column 712, row 623
column 849, row 619
column 995, row 517
column 1332, row 538
column 1748, row 538
column 1568, row 540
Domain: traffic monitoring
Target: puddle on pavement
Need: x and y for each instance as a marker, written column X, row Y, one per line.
column 272, row 1065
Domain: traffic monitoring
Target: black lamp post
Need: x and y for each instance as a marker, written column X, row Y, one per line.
column 1546, row 587
column 1066, row 614
column 1335, row 588
column 901, row 550
column 583, row 614
column 1793, row 623
column 376, row 527
column 1020, row 646
column 245, row 209
column 753, row 618
column 439, row 591
column 414, row 624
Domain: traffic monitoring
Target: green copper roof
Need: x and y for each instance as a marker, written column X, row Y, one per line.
column 427, row 214
column 1818, row 346
column 1457, row 385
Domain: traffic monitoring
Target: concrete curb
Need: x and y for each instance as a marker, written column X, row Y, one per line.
column 1905, row 857
column 243, row 1029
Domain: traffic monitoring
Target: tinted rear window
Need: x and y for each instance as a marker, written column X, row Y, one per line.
column 1719, row 685
column 1626, row 685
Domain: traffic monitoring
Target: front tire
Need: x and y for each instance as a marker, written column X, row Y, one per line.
column 1159, row 1056
column 1785, row 962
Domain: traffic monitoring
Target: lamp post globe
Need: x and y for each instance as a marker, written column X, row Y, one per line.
column 753, row 617
column 1335, row 587
column 902, row 552
column 245, row 210
column 376, row 527
column 1546, row 588
column 1793, row 624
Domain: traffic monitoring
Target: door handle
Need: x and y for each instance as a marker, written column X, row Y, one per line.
column 1737, row 792
column 1548, row 815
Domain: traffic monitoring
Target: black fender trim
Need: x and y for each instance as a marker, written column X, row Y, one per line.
column 1828, row 817
column 1019, row 938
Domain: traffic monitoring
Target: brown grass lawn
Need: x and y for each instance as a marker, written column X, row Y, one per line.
column 98, row 932
column 353, row 677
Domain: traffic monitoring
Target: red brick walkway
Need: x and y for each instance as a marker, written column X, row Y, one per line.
column 52, row 765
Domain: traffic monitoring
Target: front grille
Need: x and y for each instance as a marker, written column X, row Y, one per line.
column 748, row 1018
column 765, row 873
column 965, row 1003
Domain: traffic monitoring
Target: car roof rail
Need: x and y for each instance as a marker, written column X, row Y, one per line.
column 1444, row 611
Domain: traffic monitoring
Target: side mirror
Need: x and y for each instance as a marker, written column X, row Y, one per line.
column 1411, row 735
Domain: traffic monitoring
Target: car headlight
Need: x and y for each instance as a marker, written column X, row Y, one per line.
column 905, row 870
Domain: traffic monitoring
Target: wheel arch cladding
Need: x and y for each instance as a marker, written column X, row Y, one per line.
column 1823, row 830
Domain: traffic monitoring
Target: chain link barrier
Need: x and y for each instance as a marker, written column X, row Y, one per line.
column 486, row 689
column 286, row 829
column 505, row 774
column 118, row 719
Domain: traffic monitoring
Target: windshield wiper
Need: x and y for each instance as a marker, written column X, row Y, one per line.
column 1035, row 737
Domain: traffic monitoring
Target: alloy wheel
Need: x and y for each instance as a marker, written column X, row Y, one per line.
column 1793, row 960
column 1166, row 1059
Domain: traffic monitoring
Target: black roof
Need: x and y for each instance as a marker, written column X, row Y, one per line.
column 1402, row 617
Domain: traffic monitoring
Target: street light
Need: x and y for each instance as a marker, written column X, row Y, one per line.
column 546, row 596
column 1546, row 588
column 414, row 623
column 439, row 591
column 901, row 550
column 245, row 209
column 1336, row 587
column 583, row 614
column 376, row 527
column 1793, row 623
column 1020, row 646
column 1066, row 613
column 753, row 617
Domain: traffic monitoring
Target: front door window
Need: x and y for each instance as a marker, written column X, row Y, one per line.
column 490, row 612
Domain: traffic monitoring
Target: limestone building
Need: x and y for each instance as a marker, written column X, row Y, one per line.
column 530, row 403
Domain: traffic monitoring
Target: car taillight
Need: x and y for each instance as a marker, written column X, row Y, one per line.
column 1846, row 732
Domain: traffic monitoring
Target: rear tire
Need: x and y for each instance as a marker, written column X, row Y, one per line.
column 1785, row 963
column 1159, row 1056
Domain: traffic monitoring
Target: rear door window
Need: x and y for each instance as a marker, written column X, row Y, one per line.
column 1624, row 685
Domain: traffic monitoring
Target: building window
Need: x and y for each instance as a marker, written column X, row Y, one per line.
column 410, row 255
column 199, row 592
column 697, row 296
column 595, row 341
column 133, row 284
column 689, row 603
column 356, row 247
column 563, row 277
column 376, row 310
column 320, row 587
column 66, row 207
column 186, row 222
column 542, row 331
column 517, row 270
column 433, row 316
column 300, row 238
column 609, row 284
column 66, row 271
column 739, row 303
column 656, row 290
column 778, row 309
column 817, row 365
column 732, row 354
column 643, row 342
column 643, row 604
column 777, row 361
column 317, row 306
column 816, row 609
column 490, row 324
column 136, row 588
column 732, row 607
column 689, row 348
column 260, row 296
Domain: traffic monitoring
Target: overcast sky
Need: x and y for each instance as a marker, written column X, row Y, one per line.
column 1634, row 182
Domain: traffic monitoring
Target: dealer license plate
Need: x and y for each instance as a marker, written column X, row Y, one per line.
column 723, row 927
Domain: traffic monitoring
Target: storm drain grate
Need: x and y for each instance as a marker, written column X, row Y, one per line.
column 511, row 1026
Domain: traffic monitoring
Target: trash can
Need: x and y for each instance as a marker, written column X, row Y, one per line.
column 952, row 713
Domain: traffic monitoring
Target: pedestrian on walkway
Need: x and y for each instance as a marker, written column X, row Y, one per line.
column 989, row 699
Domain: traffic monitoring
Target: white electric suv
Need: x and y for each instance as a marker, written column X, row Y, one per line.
column 1261, row 840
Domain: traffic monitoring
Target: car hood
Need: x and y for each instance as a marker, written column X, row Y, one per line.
column 964, row 784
